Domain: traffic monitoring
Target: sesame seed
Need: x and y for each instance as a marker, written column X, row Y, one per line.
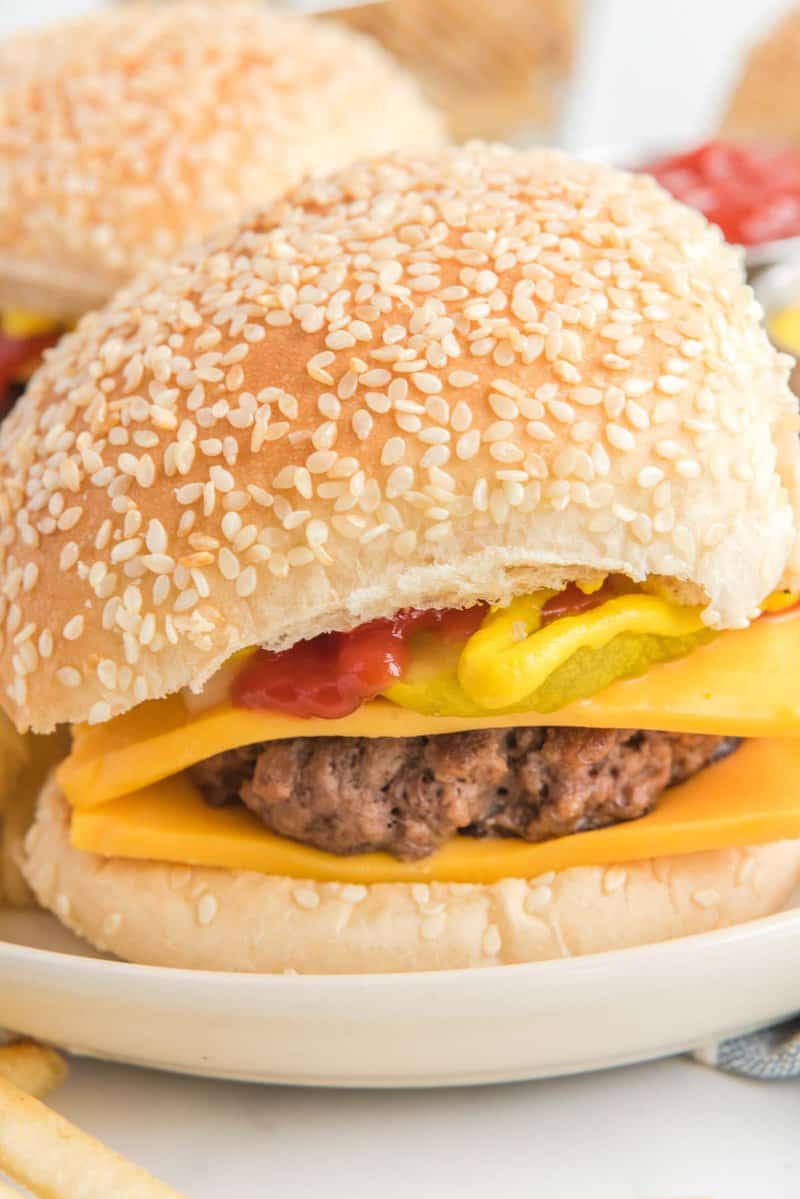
column 619, row 437
column 228, row 563
column 399, row 481
column 649, row 476
column 68, row 556
column 460, row 378
column 745, row 869
column 587, row 396
column 538, row 897
column 306, row 897
column 99, row 713
column 506, row 451
column 69, row 676
column 206, row 911
column 492, row 942
column 362, row 423
column 670, row 385
column 427, row 383
column 316, row 532
column 613, row 878
column 156, row 539
column 246, row 582
column 433, row 926
column 160, row 564
column 73, row 629
column 393, row 451
column 320, row 462
column 111, row 925
column 503, row 407
column 468, row 445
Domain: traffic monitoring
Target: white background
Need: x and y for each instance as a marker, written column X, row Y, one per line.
column 654, row 73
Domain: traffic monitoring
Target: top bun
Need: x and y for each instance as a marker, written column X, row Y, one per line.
column 420, row 381
column 135, row 129
column 765, row 104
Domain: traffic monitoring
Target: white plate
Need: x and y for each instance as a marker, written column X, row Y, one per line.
column 435, row 1029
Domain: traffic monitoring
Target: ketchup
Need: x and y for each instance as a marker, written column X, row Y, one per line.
column 333, row 674
column 751, row 192
column 16, row 353
column 572, row 601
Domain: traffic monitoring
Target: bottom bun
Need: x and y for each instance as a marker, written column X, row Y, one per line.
column 210, row 919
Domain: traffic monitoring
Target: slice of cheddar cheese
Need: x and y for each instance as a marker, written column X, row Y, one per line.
column 751, row 797
column 745, row 683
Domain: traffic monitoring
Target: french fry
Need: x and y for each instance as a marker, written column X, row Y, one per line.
column 7, row 1193
column 55, row 1160
column 32, row 1068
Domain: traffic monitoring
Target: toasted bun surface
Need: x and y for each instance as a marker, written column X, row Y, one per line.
column 225, row 920
column 135, row 129
column 765, row 103
column 420, row 381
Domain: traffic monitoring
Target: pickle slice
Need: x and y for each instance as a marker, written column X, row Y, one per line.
column 570, row 659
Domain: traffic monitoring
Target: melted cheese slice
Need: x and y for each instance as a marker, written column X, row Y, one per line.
column 751, row 797
column 743, row 684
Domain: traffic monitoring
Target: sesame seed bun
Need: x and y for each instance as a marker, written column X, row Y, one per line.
column 419, row 381
column 765, row 103
column 207, row 919
column 135, row 129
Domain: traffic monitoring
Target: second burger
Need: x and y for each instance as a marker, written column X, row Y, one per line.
column 135, row 129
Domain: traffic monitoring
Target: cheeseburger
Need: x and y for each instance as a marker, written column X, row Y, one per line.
column 142, row 126
column 415, row 565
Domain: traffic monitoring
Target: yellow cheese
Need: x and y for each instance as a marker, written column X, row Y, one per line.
column 750, row 797
column 745, row 683
column 22, row 323
column 784, row 327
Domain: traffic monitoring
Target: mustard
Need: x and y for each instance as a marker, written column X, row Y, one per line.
column 21, row 323
column 589, row 586
column 512, row 664
column 778, row 601
column 496, row 669
column 784, row 328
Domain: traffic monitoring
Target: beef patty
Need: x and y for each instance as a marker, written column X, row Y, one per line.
column 407, row 795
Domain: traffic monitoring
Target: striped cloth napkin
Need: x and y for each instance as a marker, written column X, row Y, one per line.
column 771, row 1054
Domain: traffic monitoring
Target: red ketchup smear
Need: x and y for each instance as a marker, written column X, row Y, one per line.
column 751, row 192
column 333, row 674
column 572, row 601
column 15, row 354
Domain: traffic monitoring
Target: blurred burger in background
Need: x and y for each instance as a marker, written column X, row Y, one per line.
column 496, row 68
column 128, row 132
column 142, row 126
column 765, row 103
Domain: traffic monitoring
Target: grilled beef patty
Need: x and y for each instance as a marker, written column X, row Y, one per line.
column 408, row 795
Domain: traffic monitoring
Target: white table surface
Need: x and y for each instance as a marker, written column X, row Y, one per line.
column 670, row 1130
